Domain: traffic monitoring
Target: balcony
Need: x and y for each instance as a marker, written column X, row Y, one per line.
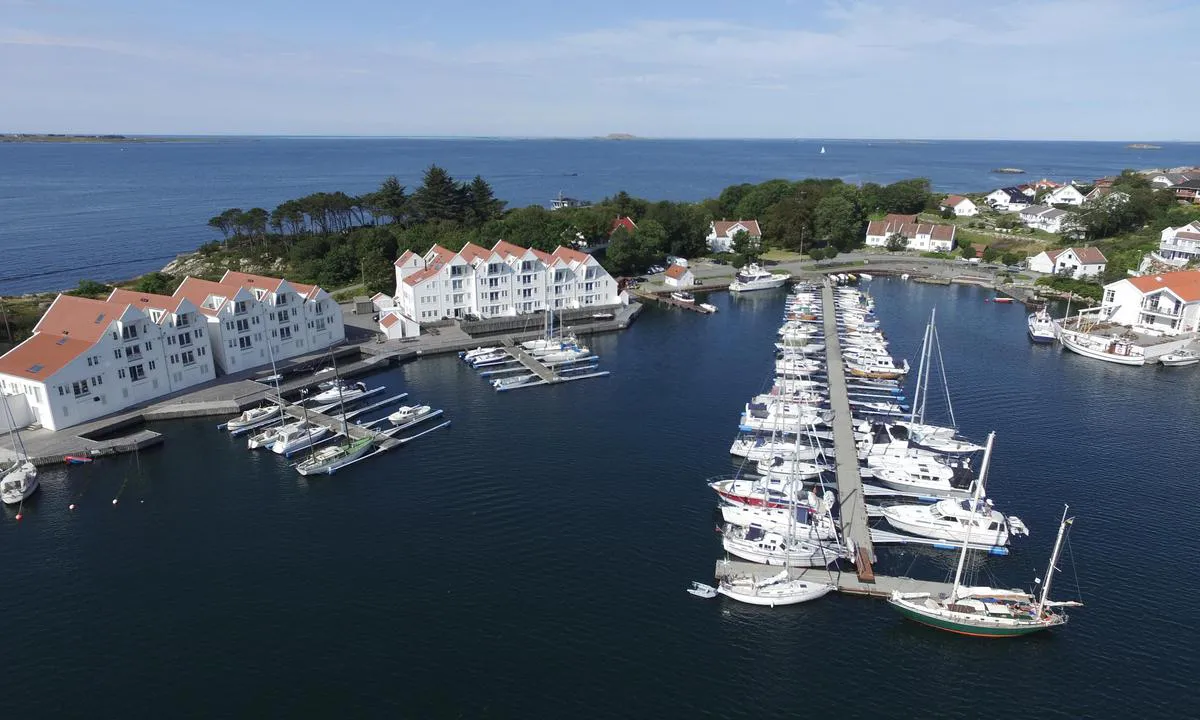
column 1168, row 312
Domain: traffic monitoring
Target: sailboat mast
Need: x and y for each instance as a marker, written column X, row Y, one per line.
column 917, row 408
column 962, row 559
column 342, row 405
column 1062, row 527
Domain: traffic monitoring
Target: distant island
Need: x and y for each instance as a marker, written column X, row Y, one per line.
column 620, row 136
column 1144, row 146
column 67, row 138
column 1009, row 171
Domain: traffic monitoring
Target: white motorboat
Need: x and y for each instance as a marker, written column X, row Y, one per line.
column 328, row 459
column 492, row 357
column 512, row 381
column 708, row 307
column 923, row 477
column 470, row 355
column 683, row 296
column 756, row 544
column 794, row 367
column 783, row 468
column 776, row 590
column 1113, row 350
column 954, row 520
column 883, row 368
column 252, row 417
column 340, row 394
column 944, row 446
column 407, row 413
column 753, row 277
column 267, row 437
column 18, row 481
column 701, row 590
column 292, row 438
column 785, row 423
column 1040, row 327
column 327, row 370
column 1179, row 358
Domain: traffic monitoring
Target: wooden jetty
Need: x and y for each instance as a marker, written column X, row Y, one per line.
column 853, row 509
column 534, row 365
column 666, row 299
column 878, row 586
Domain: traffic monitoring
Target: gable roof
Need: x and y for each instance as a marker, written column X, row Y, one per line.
column 1014, row 193
column 389, row 319
column 1088, row 255
column 622, row 221
column 473, row 253
column 953, row 201
column 42, row 355
column 722, row 228
column 146, row 301
column 1185, row 284
column 1187, row 185
column 405, row 257
column 1052, row 254
column 676, row 271
column 82, row 318
column 569, row 255
column 910, row 230
column 505, row 249
column 198, row 291
column 895, row 218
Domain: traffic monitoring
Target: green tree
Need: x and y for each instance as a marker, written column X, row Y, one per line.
column 91, row 289
column 990, row 254
column 439, row 197
column 1010, row 258
column 254, row 223
column 838, row 220
column 625, row 254
column 745, row 246
column 758, row 200
column 907, row 196
column 481, row 201
column 831, row 252
column 652, row 237
column 390, row 201
column 789, row 223
column 817, row 254
column 966, row 250
column 156, row 283
column 896, row 242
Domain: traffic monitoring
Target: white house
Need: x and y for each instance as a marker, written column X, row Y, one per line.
column 254, row 319
column 933, row 237
column 1078, row 262
column 1044, row 217
column 90, row 358
column 395, row 326
column 507, row 280
column 1169, row 302
column 679, row 276
column 961, row 206
column 1009, row 199
column 1064, row 195
column 721, row 232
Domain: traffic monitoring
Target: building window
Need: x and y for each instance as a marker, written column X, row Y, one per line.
column 149, row 346
column 320, row 324
column 189, row 358
column 285, row 333
column 243, row 325
column 121, row 373
column 182, row 320
column 185, row 340
column 239, row 307
column 129, row 333
column 80, row 388
column 244, row 343
column 151, row 364
column 136, row 372
column 61, row 391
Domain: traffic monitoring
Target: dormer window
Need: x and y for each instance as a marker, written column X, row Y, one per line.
column 239, row 307
column 281, row 299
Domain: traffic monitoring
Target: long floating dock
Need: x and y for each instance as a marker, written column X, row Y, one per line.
column 853, row 510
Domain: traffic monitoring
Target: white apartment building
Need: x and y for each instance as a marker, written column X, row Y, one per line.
column 920, row 236
column 254, row 319
column 1169, row 302
column 90, row 358
column 504, row 281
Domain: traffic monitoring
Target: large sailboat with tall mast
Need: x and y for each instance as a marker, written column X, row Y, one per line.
column 19, row 479
column 987, row 611
column 936, row 438
column 328, row 459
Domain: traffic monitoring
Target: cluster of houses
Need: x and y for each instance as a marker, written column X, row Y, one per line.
column 1164, row 303
column 924, row 236
column 89, row 358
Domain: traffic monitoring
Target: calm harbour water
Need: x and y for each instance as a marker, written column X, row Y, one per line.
column 531, row 560
column 113, row 211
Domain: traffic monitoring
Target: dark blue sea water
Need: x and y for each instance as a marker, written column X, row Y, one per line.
column 531, row 560
column 113, row 211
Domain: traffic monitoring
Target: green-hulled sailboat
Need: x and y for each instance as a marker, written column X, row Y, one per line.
column 985, row 611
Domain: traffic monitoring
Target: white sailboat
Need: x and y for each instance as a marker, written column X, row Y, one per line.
column 780, row 589
column 332, row 457
column 19, row 479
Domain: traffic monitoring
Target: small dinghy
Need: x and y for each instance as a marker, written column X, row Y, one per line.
column 701, row 590
column 708, row 307
column 76, row 459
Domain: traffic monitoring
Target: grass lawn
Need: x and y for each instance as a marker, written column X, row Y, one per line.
column 782, row 256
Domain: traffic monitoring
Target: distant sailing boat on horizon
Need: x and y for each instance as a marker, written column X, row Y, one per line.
column 822, row 149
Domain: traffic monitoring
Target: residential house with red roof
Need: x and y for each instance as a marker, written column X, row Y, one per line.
column 1166, row 302
column 960, row 206
column 1076, row 262
column 622, row 221
column 721, row 232
column 929, row 237
column 506, row 280
column 679, row 276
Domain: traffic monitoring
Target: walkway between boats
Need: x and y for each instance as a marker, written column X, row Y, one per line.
column 535, row 366
column 357, row 432
column 852, row 507
column 880, row 586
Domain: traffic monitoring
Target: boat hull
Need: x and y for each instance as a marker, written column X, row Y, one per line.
column 1071, row 343
column 793, row 593
column 964, row 626
column 14, row 491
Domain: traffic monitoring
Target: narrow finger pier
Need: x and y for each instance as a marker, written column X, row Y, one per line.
column 544, row 361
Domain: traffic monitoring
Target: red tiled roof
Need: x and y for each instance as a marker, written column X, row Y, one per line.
column 1185, row 284
column 80, row 318
column 622, row 221
column 145, row 301
column 910, row 230
column 198, row 290
column 241, row 279
column 423, row 274
column 952, row 201
column 1089, row 255
column 472, row 252
column 506, row 249
column 723, row 227
column 543, row 255
column 389, row 320
column 42, row 355
column 900, row 219
column 676, row 271
column 942, row 232
column 569, row 255
column 405, row 257
column 1053, row 254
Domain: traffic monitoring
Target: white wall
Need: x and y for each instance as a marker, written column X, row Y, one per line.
column 18, row 407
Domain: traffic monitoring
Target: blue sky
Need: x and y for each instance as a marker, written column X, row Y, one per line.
column 1009, row 69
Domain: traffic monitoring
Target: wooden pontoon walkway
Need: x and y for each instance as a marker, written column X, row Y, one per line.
column 357, row 432
column 881, row 586
column 535, row 366
column 852, row 507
